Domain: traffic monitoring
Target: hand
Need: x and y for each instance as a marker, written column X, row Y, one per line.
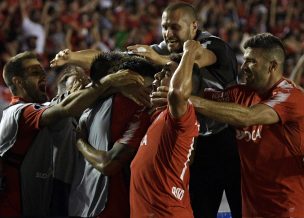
column 76, row 82
column 192, row 45
column 61, row 58
column 145, row 51
column 76, row 86
column 124, row 78
column 159, row 97
column 138, row 94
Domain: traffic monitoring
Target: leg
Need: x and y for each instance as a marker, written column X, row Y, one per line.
column 205, row 195
column 233, row 190
column 206, row 188
column 60, row 198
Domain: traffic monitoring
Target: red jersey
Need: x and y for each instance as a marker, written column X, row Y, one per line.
column 160, row 169
column 128, row 125
column 10, row 199
column 272, row 166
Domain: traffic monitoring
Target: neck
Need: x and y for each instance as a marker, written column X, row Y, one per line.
column 269, row 85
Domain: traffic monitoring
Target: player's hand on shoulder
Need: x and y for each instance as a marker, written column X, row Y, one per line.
column 144, row 51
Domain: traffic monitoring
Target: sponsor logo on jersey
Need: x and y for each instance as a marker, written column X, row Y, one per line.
column 253, row 135
column 178, row 192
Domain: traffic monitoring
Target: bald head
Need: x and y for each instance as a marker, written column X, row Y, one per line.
column 187, row 9
column 179, row 24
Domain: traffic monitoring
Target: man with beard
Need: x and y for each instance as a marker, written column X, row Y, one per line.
column 112, row 130
column 269, row 119
column 25, row 145
column 216, row 161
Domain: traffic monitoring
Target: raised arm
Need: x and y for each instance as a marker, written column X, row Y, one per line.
column 181, row 82
column 83, row 58
column 23, row 5
column 297, row 72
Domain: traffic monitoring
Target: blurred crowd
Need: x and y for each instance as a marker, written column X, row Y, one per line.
column 48, row 26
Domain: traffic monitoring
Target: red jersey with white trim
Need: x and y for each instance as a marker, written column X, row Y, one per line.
column 160, row 169
column 128, row 126
column 10, row 199
column 272, row 166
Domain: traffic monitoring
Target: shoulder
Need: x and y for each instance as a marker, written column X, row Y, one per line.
column 288, row 87
column 286, row 94
column 161, row 48
column 187, row 118
column 206, row 38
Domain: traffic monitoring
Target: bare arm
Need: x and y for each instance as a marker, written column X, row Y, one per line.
column 203, row 58
column 107, row 162
column 148, row 52
column 273, row 11
column 23, row 9
column 297, row 71
column 77, row 101
column 181, row 83
column 235, row 114
column 83, row 58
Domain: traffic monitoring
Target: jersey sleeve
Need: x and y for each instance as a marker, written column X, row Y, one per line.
column 136, row 129
column 187, row 122
column 225, row 67
column 288, row 104
column 31, row 115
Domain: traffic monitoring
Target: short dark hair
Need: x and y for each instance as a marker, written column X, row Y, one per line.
column 268, row 42
column 111, row 62
column 14, row 67
column 189, row 9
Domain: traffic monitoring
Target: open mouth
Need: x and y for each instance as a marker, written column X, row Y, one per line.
column 172, row 41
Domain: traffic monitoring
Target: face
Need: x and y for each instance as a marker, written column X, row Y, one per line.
column 177, row 27
column 72, row 79
column 34, row 81
column 163, row 77
column 256, row 69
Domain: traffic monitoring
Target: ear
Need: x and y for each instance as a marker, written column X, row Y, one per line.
column 194, row 27
column 17, row 81
column 273, row 66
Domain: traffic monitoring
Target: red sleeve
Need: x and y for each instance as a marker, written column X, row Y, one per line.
column 136, row 129
column 287, row 103
column 31, row 116
column 185, row 123
column 28, row 128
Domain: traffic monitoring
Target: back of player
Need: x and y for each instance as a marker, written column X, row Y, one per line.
column 160, row 173
column 160, row 170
